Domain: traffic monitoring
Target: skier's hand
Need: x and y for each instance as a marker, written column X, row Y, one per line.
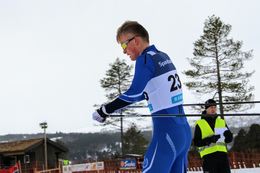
column 100, row 114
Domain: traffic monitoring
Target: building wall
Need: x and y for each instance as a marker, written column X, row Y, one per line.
column 53, row 154
column 37, row 158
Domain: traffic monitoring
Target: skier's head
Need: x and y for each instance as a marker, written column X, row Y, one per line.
column 133, row 38
column 210, row 106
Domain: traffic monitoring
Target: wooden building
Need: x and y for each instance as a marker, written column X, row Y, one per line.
column 31, row 154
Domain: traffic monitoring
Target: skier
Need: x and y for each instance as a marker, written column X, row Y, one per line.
column 157, row 81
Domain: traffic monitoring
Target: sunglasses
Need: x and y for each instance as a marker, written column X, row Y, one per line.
column 124, row 44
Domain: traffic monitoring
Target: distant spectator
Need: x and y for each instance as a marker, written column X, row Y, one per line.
column 211, row 136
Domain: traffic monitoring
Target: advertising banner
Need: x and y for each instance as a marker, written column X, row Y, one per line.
column 83, row 167
column 128, row 164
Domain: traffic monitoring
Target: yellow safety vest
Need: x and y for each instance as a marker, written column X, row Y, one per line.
column 206, row 131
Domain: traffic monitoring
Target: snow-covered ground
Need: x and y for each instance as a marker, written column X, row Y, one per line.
column 244, row 170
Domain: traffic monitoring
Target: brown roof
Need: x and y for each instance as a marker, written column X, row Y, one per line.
column 17, row 146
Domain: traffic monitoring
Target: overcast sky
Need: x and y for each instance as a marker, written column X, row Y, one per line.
column 53, row 53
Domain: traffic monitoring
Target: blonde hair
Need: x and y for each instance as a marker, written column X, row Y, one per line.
column 132, row 27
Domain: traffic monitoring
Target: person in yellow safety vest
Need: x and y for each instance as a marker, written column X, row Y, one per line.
column 65, row 162
column 210, row 137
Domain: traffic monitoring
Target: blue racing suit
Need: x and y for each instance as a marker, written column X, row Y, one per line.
column 157, row 81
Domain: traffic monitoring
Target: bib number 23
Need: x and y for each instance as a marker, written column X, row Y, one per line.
column 176, row 83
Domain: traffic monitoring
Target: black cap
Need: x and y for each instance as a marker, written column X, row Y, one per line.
column 210, row 102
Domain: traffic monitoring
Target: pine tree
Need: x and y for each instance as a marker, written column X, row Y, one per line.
column 247, row 141
column 218, row 62
column 117, row 81
column 240, row 141
column 253, row 138
column 134, row 141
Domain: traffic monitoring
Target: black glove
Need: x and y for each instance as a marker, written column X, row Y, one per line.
column 228, row 136
column 211, row 139
column 214, row 138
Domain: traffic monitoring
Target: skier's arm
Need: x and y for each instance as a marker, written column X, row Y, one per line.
column 143, row 73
